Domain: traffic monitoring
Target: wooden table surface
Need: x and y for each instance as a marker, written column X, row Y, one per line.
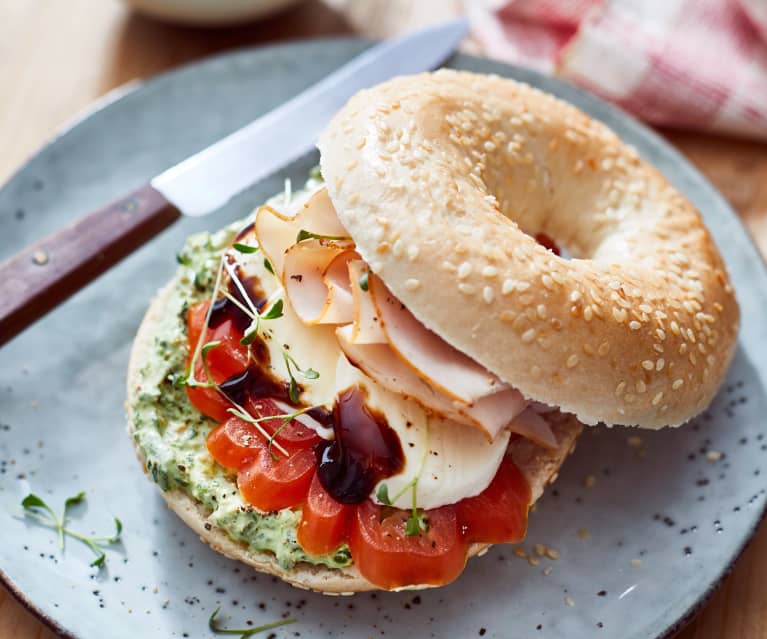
column 57, row 56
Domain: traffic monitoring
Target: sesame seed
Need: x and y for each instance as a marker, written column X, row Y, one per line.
column 412, row 284
column 572, row 361
column 660, row 364
column 547, row 570
column 575, row 296
column 648, row 365
column 540, row 549
column 533, row 561
column 620, row 388
column 713, row 455
column 660, row 333
column 552, row 553
column 466, row 289
column 620, row 314
column 635, row 563
column 541, row 310
column 446, row 265
column 588, row 313
column 464, row 270
column 641, row 387
column 507, row 287
column 604, row 347
column 412, row 252
column 354, row 198
column 674, row 327
column 547, row 282
column 488, row 294
column 528, row 336
column 520, row 552
column 569, row 601
column 634, row 325
column 657, row 398
column 489, row 271
column 40, row 258
column 677, row 383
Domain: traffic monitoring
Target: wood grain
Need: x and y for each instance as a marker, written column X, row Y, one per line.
column 41, row 276
column 57, row 57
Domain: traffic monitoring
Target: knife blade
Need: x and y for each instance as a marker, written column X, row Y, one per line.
column 208, row 179
column 43, row 275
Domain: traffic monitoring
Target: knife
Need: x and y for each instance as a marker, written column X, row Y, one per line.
column 43, row 275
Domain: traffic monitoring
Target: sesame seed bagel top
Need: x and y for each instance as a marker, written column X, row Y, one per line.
column 441, row 179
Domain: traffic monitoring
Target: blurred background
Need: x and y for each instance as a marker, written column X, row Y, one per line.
column 695, row 69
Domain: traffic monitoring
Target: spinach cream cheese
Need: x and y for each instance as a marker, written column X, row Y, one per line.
column 171, row 433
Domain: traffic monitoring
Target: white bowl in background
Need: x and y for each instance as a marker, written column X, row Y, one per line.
column 209, row 12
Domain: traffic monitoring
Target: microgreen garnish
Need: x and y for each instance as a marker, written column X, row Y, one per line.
column 183, row 259
column 382, row 494
column 303, row 234
column 285, row 419
column 244, row 633
column 364, row 280
column 274, row 312
column 268, row 266
column 315, row 173
column 290, row 364
column 244, row 248
column 417, row 522
column 37, row 509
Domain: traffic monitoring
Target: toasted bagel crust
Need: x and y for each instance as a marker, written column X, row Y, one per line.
column 537, row 464
column 439, row 178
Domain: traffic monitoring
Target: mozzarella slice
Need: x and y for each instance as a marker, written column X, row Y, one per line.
column 450, row 460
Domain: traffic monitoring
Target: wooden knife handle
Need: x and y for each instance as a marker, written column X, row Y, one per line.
column 43, row 275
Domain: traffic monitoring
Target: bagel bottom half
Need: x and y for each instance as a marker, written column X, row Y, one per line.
column 538, row 465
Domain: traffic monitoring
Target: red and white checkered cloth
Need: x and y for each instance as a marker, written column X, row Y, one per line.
column 696, row 64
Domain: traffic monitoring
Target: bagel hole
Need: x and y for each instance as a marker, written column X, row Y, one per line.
column 549, row 243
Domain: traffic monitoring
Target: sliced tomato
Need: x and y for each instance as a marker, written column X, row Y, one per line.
column 293, row 436
column 499, row 513
column 273, row 484
column 389, row 558
column 224, row 361
column 235, row 443
column 324, row 521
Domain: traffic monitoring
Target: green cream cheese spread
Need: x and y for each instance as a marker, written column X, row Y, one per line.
column 171, row 433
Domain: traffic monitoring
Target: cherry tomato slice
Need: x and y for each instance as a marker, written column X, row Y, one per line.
column 389, row 558
column 324, row 521
column 293, row 436
column 270, row 484
column 235, row 443
column 499, row 513
column 226, row 360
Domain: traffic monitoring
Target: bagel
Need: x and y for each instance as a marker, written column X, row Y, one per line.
column 408, row 280
column 442, row 179
column 538, row 465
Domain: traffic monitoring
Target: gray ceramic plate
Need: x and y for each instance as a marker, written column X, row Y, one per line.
column 645, row 529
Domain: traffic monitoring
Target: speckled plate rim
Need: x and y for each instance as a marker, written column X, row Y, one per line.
column 640, row 130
